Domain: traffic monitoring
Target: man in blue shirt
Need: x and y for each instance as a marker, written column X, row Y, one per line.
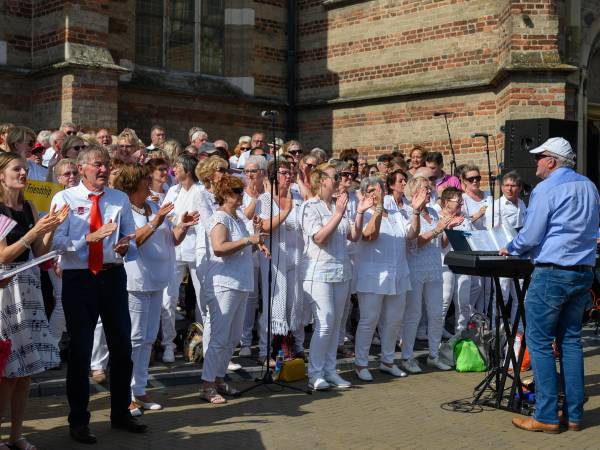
column 559, row 235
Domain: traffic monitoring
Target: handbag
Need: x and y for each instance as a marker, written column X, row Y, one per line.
column 5, row 349
column 292, row 370
column 192, row 345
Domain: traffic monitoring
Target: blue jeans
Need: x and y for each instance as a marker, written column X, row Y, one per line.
column 554, row 309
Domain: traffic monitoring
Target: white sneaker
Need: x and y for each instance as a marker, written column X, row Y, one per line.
column 338, row 382
column 318, row 384
column 233, row 366
column 411, row 365
column 169, row 355
column 394, row 370
column 437, row 363
column 245, row 351
column 151, row 406
column 364, row 374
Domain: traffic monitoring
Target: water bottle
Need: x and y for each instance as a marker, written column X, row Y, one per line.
column 278, row 362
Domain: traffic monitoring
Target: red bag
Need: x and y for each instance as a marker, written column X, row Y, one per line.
column 5, row 348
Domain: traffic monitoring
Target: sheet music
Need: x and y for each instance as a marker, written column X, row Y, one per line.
column 490, row 240
column 29, row 264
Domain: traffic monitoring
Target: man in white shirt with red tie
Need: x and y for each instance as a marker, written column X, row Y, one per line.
column 95, row 237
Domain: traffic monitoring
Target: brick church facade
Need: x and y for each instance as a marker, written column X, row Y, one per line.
column 342, row 73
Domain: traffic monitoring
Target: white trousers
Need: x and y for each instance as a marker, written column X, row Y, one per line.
column 250, row 316
column 169, row 301
column 344, row 324
column 480, row 293
column 327, row 301
column 100, row 348
column 457, row 289
column 226, row 308
column 388, row 311
column 144, row 310
column 429, row 293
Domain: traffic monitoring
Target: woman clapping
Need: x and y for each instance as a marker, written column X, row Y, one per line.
column 228, row 281
column 149, row 274
column 326, row 271
column 381, row 275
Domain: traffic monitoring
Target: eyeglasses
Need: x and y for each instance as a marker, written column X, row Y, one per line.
column 294, row 152
column 223, row 149
column 69, row 174
column 285, row 173
column 79, row 147
column 221, row 170
column 347, row 175
column 245, row 148
column 70, row 132
column 540, row 156
column 238, row 190
column 473, row 179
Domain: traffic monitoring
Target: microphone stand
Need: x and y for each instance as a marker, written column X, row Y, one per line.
column 491, row 176
column 267, row 378
column 452, row 154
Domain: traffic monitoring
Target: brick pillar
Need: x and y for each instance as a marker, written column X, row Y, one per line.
column 76, row 78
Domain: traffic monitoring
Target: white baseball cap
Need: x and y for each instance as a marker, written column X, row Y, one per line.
column 557, row 146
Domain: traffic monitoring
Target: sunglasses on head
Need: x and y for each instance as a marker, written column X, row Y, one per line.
column 473, row 179
column 237, row 190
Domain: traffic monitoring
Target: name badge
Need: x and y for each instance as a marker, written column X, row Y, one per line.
column 80, row 210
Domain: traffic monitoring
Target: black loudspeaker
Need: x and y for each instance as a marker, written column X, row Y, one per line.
column 527, row 134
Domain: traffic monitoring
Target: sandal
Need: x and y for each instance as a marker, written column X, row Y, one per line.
column 225, row 389
column 24, row 445
column 212, row 396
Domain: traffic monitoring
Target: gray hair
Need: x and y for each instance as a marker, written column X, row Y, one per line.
column 55, row 136
column 468, row 168
column 319, row 153
column 68, row 125
column 44, row 136
column 260, row 161
column 91, row 150
column 414, row 184
column 198, row 133
column 371, row 181
column 561, row 161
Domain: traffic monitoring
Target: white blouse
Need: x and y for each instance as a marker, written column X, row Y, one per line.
column 425, row 263
column 184, row 201
column 329, row 262
column 154, row 266
column 471, row 207
column 232, row 271
column 381, row 266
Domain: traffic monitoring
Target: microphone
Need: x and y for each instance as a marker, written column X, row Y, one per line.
column 442, row 113
column 483, row 135
column 269, row 113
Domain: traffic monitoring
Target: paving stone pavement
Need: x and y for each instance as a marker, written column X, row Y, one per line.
column 384, row 414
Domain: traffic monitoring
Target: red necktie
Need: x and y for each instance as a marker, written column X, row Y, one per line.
column 95, row 248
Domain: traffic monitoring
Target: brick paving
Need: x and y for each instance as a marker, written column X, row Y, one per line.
column 385, row 414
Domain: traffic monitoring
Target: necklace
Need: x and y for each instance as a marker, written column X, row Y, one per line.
column 141, row 211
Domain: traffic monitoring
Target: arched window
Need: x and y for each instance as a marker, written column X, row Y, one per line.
column 180, row 34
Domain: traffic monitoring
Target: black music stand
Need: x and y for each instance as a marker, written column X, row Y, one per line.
column 486, row 263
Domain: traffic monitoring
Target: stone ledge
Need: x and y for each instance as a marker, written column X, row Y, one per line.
column 332, row 4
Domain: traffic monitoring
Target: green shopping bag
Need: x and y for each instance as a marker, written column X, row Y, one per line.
column 467, row 357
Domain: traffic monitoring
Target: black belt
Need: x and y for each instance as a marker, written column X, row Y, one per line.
column 111, row 266
column 579, row 268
